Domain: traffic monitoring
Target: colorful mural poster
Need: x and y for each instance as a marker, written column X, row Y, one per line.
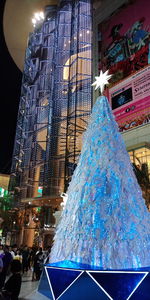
column 124, row 40
column 124, row 49
column 130, row 100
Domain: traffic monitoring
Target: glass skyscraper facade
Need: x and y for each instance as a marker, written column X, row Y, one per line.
column 56, row 101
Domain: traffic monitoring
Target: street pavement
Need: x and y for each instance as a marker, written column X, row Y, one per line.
column 28, row 286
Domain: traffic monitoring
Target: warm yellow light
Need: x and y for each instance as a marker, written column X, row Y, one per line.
column 33, row 21
column 41, row 14
column 38, row 17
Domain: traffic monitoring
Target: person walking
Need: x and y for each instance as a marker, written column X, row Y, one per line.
column 7, row 258
column 25, row 255
column 38, row 264
column 13, row 285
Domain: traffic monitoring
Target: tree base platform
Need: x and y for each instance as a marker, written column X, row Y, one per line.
column 72, row 281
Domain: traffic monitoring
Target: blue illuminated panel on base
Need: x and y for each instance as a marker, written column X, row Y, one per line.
column 61, row 279
column 118, row 285
column 72, row 281
column 44, row 287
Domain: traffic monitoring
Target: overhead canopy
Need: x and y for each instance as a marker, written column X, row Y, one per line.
column 17, row 24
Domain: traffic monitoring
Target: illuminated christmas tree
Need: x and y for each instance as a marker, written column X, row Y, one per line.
column 105, row 221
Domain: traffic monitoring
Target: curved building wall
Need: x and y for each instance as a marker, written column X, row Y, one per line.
column 55, row 101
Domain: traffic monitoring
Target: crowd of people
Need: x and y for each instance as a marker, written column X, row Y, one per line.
column 14, row 262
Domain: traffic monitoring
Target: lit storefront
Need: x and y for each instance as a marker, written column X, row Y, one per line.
column 140, row 158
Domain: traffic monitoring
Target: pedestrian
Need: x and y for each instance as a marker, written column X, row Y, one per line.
column 13, row 285
column 38, row 264
column 47, row 255
column 25, row 254
column 1, row 264
column 13, row 250
column 1, row 250
column 30, row 258
column 18, row 256
column 7, row 258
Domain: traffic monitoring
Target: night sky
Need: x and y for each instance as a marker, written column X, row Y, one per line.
column 10, row 86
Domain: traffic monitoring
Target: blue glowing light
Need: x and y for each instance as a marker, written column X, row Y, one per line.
column 69, row 279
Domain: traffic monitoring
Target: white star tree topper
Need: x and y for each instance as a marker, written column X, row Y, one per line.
column 102, row 80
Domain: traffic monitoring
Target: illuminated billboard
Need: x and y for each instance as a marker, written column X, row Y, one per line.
column 124, row 49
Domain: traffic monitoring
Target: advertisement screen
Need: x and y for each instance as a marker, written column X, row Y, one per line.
column 130, row 100
column 122, row 97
